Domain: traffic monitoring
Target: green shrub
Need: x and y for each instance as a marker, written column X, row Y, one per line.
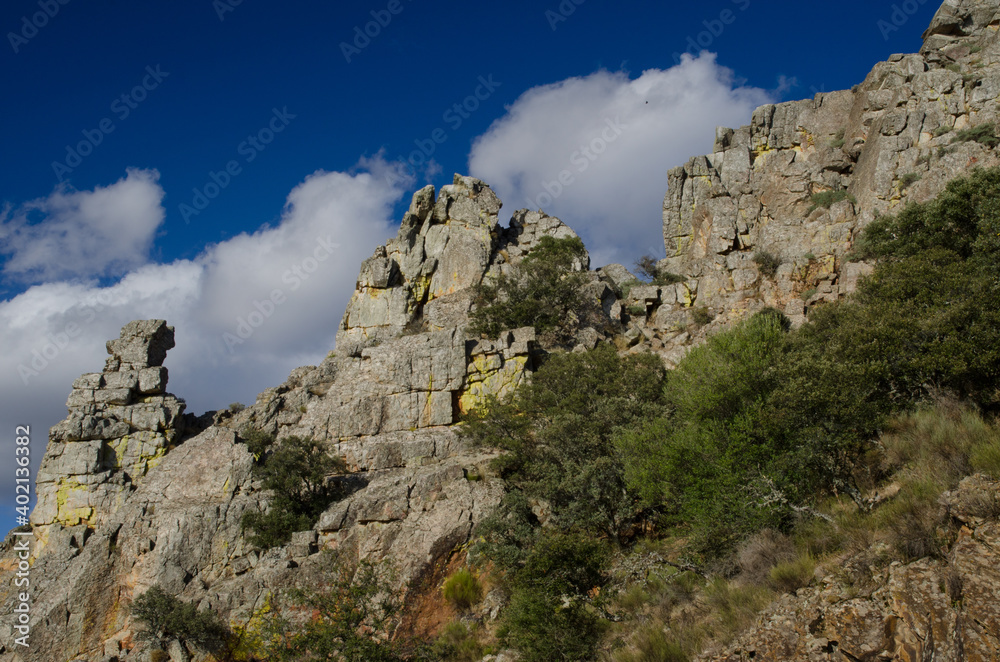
column 236, row 407
column 257, row 442
column 462, row 589
column 296, row 474
column 557, row 437
column 808, row 294
column 166, row 617
column 543, row 291
column 458, row 643
column 827, row 199
column 909, row 179
column 986, row 459
column 789, row 576
column 702, row 459
column 542, row 627
column 351, row 615
column 767, row 263
column 942, row 130
column 550, row 615
column 984, row 134
column 701, row 316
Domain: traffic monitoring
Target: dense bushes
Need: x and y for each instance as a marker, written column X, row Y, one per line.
column 713, row 463
column 562, row 467
column 550, row 615
column 296, row 474
column 763, row 420
column 544, row 291
column 558, row 433
column 929, row 317
column 349, row 617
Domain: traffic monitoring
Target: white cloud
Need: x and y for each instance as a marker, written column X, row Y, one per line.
column 84, row 234
column 53, row 332
column 641, row 128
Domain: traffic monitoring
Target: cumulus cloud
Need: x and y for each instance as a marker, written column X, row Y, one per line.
column 595, row 150
column 234, row 336
column 83, row 234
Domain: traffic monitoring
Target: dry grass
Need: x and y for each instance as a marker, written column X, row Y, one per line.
column 923, row 454
column 790, row 576
column 760, row 553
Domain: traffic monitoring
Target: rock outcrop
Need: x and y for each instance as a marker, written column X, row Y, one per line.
column 129, row 497
column 925, row 610
column 893, row 139
column 420, row 280
column 121, row 423
column 132, row 493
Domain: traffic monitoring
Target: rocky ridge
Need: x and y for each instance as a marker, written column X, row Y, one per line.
column 887, row 142
column 133, row 493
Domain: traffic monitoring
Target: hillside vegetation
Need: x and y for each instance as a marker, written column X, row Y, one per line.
column 764, row 438
column 649, row 515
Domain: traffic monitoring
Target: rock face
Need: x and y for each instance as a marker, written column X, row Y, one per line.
column 889, row 141
column 131, row 493
column 121, row 423
column 926, row 610
column 420, row 280
column 129, row 497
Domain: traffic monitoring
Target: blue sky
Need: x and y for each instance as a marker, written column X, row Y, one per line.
column 181, row 159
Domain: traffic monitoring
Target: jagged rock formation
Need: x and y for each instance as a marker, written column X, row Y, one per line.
column 130, row 497
column 886, row 142
column 121, row 423
column 420, row 280
column 132, row 493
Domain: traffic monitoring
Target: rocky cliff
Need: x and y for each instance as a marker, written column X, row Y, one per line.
column 897, row 137
column 132, row 492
